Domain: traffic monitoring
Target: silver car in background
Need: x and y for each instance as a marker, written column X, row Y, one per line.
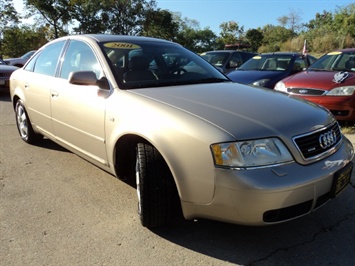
column 5, row 73
column 191, row 141
column 19, row 61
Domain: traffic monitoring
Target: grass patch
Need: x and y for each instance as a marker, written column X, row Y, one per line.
column 347, row 127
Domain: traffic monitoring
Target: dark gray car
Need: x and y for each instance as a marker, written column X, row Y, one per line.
column 227, row 60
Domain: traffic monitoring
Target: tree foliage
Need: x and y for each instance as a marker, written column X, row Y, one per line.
column 8, row 14
column 152, row 25
column 55, row 12
column 231, row 32
column 8, row 17
column 89, row 16
column 254, row 37
column 25, row 38
column 55, row 18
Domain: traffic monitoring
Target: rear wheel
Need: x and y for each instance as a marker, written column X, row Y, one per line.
column 157, row 195
column 24, row 124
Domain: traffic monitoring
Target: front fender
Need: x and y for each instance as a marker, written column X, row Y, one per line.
column 182, row 139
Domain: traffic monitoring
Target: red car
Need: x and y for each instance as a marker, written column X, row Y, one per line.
column 329, row 82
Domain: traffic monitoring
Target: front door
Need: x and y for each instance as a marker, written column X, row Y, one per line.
column 78, row 111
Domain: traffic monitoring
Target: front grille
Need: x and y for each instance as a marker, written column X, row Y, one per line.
column 5, row 74
column 318, row 143
column 306, row 91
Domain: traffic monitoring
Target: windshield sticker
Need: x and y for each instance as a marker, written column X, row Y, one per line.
column 122, row 45
column 257, row 57
column 333, row 53
column 340, row 76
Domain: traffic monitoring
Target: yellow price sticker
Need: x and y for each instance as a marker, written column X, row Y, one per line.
column 121, row 45
column 334, row 53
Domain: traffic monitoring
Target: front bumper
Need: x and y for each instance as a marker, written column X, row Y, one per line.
column 342, row 108
column 271, row 195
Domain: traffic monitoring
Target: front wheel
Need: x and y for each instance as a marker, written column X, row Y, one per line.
column 24, row 124
column 158, row 200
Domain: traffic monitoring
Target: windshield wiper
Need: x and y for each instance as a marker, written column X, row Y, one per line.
column 211, row 80
column 338, row 69
column 317, row 69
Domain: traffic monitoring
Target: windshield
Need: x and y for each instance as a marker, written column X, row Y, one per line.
column 148, row 64
column 217, row 59
column 271, row 62
column 335, row 61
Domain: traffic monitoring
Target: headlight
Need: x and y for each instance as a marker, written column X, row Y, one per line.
column 280, row 86
column 251, row 153
column 261, row 82
column 342, row 91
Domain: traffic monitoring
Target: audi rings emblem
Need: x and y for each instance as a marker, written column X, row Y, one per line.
column 327, row 139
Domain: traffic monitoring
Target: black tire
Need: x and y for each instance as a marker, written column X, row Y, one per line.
column 24, row 125
column 158, row 201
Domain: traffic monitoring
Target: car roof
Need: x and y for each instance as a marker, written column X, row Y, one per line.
column 345, row 50
column 282, row 53
column 228, row 51
column 113, row 38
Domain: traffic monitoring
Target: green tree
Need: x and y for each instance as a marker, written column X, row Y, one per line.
column 55, row 12
column 126, row 16
column 321, row 20
column 19, row 40
column 8, row 17
column 254, row 37
column 190, row 35
column 292, row 20
column 205, row 40
column 8, row 14
column 152, row 25
column 274, row 36
column 344, row 25
column 89, row 16
column 231, row 32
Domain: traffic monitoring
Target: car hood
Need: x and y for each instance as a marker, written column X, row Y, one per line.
column 7, row 68
column 249, row 76
column 244, row 112
column 318, row 80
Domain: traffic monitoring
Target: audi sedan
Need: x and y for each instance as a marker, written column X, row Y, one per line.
column 191, row 141
column 329, row 82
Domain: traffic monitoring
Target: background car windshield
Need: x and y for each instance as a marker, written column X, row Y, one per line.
column 138, row 65
column 335, row 61
column 216, row 59
column 267, row 62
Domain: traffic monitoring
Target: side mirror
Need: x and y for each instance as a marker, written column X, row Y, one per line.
column 88, row 78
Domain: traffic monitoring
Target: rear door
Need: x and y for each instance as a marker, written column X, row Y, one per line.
column 38, row 78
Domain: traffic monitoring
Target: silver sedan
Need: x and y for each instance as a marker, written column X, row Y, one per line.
column 192, row 142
